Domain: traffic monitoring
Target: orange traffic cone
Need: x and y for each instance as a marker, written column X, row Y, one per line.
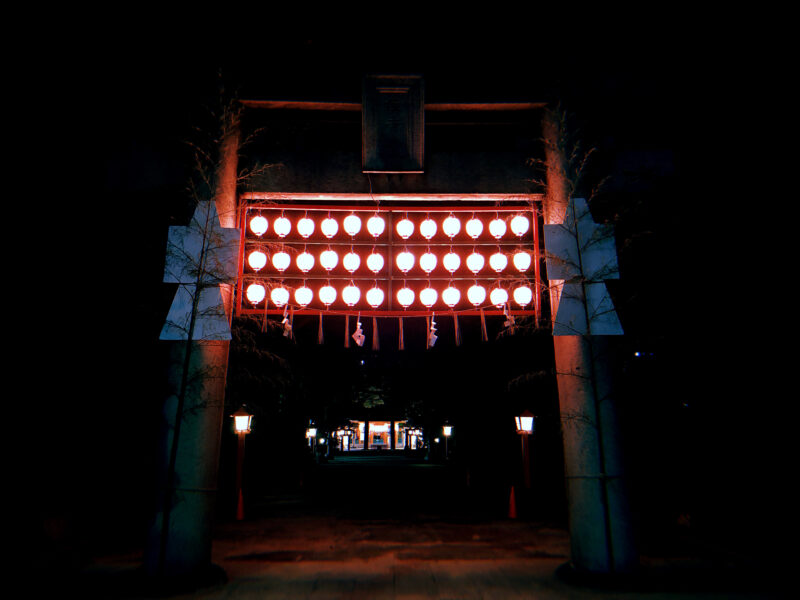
column 512, row 505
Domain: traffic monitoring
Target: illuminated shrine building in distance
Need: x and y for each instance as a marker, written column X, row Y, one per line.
column 380, row 434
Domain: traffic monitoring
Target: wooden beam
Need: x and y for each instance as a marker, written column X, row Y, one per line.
column 356, row 106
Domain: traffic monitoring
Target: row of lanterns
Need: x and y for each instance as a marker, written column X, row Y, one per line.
column 376, row 225
column 404, row 260
column 351, row 295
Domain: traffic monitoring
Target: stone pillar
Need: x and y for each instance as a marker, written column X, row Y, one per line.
column 601, row 535
column 196, row 375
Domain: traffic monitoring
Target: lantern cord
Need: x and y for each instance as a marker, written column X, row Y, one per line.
column 320, row 336
column 347, row 331
column 457, row 330
column 375, row 339
column 484, row 335
column 401, row 346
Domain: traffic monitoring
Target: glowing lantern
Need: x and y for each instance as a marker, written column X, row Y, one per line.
column 305, row 227
column 405, row 261
column 375, row 262
column 259, row 225
column 351, row 295
column 352, row 224
column 375, row 297
column 427, row 262
column 525, row 423
column 405, row 228
column 257, row 260
column 376, row 225
column 451, row 261
column 328, row 259
column 327, row 294
column 474, row 228
column 451, row 296
column 241, row 421
column 428, row 296
column 428, row 228
column 305, row 261
column 281, row 260
column 405, row 296
column 520, row 225
column 476, row 294
column 498, row 261
column 282, row 226
column 303, row 296
column 498, row 297
column 351, row 261
column 279, row 295
column 451, row 226
column 329, row 227
column 475, row 262
column 497, row 228
column 522, row 261
column 523, row 295
column 255, row 293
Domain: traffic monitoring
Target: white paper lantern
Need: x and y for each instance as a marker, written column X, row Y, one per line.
column 327, row 295
column 405, row 296
column 427, row 262
column 259, row 225
column 475, row 262
column 305, row 261
column 328, row 259
column 303, row 296
column 375, row 262
column 498, row 296
column 405, row 261
column 428, row 296
column 376, row 225
column 329, row 227
column 255, row 293
column 305, row 227
column 282, row 226
column 474, row 228
column 279, row 296
column 451, row 296
column 451, row 226
column 523, row 295
column 405, row 228
column 498, row 261
column 522, row 261
column 497, row 228
column 451, row 261
column 427, row 228
column 351, row 261
column 375, row 297
column 257, row 260
column 351, row 295
column 352, row 224
column 281, row 261
column 520, row 225
column 476, row 294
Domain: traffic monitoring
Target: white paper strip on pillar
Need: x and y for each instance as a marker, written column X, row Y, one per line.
column 583, row 254
column 211, row 322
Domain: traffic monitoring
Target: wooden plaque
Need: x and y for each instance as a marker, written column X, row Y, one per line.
column 393, row 124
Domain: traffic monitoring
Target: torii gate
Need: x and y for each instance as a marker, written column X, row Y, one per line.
column 581, row 254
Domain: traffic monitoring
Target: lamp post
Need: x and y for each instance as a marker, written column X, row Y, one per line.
column 447, row 429
column 524, row 429
column 241, row 425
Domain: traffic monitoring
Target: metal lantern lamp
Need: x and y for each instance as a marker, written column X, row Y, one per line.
column 241, row 425
column 525, row 429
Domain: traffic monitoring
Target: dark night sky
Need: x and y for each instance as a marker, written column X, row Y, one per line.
column 117, row 108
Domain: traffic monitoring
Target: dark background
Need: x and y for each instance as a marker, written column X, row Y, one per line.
column 108, row 164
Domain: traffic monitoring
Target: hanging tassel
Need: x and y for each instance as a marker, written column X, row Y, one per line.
column 510, row 321
column 347, row 331
column 287, row 326
column 402, row 346
column 427, row 329
column 320, row 337
column 264, row 323
column 375, row 339
column 291, row 323
column 484, row 335
column 458, row 331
